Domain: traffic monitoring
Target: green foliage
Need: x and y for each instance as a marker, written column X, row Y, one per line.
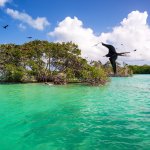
column 145, row 69
column 13, row 73
column 41, row 60
column 95, row 75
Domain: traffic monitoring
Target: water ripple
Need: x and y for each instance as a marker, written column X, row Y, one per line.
column 72, row 117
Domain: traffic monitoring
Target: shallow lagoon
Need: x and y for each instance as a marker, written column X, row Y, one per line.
column 76, row 117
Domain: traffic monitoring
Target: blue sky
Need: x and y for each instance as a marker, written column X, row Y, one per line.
column 100, row 15
column 41, row 19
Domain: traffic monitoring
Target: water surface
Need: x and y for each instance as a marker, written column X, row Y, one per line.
column 76, row 117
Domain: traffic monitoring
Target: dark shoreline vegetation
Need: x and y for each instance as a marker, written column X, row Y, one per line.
column 145, row 69
column 60, row 63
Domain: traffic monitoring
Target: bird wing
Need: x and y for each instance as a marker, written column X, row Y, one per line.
column 113, row 62
column 123, row 54
column 5, row 26
column 110, row 47
column 96, row 44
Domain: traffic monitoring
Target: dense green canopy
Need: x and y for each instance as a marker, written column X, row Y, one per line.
column 41, row 60
column 145, row 69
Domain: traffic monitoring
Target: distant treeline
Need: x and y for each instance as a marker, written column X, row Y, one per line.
column 145, row 69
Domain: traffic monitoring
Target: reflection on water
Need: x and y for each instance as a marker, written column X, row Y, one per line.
column 72, row 117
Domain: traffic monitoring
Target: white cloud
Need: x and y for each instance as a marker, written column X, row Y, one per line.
column 22, row 26
column 39, row 23
column 3, row 2
column 72, row 30
column 133, row 32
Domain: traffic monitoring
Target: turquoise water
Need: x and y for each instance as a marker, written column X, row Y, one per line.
column 76, row 117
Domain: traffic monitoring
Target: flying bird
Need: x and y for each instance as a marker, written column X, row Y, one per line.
column 5, row 26
column 133, row 50
column 29, row 37
column 112, row 54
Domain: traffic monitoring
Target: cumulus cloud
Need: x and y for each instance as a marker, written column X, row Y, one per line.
column 39, row 23
column 3, row 2
column 71, row 29
column 133, row 32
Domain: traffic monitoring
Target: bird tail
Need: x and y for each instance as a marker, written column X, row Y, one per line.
column 123, row 54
